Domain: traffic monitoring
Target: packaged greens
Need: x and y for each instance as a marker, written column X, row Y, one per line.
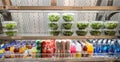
column 10, row 26
column 55, row 33
column 110, row 32
column 81, row 32
column 68, row 17
column 82, row 25
column 111, row 24
column 96, row 25
column 95, row 32
column 11, row 33
column 54, row 17
column 67, row 33
column 53, row 26
column 67, row 25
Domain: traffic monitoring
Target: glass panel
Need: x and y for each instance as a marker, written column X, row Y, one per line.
column 37, row 22
column 86, row 2
column 30, row 2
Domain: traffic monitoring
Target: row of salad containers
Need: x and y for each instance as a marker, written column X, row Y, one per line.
column 69, row 26
column 84, row 32
column 84, row 25
column 10, row 29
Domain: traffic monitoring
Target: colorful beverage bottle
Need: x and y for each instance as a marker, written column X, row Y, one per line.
column 73, row 49
column 12, row 49
column 16, row 51
column 38, row 48
column 90, row 48
column 99, row 48
column 78, row 50
column 28, row 52
column 104, row 47
column 34, row 50
column 67, row 48
column 2, row 50
column 112, row 48
column 7, row 51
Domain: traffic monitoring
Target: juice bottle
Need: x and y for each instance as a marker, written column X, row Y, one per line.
column 44, row 48
column 12, row 49
column 38, row 48
column 90, row 48
column 2, row 50
column 67, row 48
column 7, row 51
column 78, row 50
column 104, row 48
column 22, row 48
column 16, row 51
column 34, row 49
column 28, row 52
column 57, row 48
column 73, row 49
column 84, row 48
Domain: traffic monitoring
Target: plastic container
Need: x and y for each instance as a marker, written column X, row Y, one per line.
column 95, row 32
column 67, row 25
column 67, row 32
column 82, row 25
column 54, row 32
column 110, row 32
column 53, row 25
column 96, row 24
column 81, row 32
column 111, row 24
column 54, row 17
column 11, row 32
column 68, row 17
column 9, row 25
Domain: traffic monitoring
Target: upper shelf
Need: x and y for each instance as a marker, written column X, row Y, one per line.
column 53, row 6
column 63, row 8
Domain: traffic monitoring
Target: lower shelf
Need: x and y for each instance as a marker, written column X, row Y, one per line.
column 109, row 59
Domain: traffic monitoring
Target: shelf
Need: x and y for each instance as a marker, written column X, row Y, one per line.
column 64, row 59
column 54, row 37
column 63, row 8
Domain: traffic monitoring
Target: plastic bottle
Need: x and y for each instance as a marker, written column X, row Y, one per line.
column 94, row 42
column 28, row 52
column 38, row 48
column 34, row 50
column 84, row 48
column 16, row 51
column 7, row 51
column 73, row 49
column 12, row 48
column 104, row 47
column 110, row 48
column 99, row 47
column 117, row 48
column 2, row 50
column 78, row 50
column 90, row 48
column 67, row 48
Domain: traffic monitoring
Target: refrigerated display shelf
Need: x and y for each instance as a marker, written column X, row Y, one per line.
column 105, row 59
column 63, row 7
column 54, row 37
